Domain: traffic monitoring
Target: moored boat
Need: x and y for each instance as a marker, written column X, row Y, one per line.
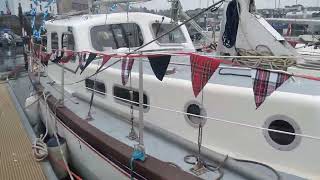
column 221, row 117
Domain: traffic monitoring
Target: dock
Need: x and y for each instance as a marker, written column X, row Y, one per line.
column 16, row 158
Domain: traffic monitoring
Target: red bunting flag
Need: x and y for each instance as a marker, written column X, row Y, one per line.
column 105, row 59
column 68, row 57
column 265, row 83
column 45, row 56
column 202, row 68
column 126, row 68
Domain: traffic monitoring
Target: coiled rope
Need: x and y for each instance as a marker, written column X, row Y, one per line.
column 39, row 147
column 276, row 63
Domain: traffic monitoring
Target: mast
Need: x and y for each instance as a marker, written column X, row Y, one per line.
column 90, row 6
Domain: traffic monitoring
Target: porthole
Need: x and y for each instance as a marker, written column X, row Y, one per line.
column 281, row 125
column 194, row 108
column 280, row 141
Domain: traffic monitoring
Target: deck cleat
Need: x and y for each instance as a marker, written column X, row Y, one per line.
column 199, row 168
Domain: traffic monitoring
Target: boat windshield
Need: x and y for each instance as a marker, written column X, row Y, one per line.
column 175, row 36
column 115, row 36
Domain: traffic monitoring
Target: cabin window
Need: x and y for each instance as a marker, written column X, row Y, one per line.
column 68, row 41
column 116, row 36
column 97, row 86
column 175, row 36
column 54, row 41
column 44, row 43
column 124, row 94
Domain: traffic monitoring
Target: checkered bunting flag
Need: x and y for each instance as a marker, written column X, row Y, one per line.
column 265, row 83
column 202, row 68
column 126, row 67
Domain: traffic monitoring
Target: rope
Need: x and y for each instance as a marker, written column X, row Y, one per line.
column 137, row 155
column 260, row 61
column 57, row 138
column 261, row 164
column 39, row 147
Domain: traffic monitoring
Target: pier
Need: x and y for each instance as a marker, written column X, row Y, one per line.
column 16, row 158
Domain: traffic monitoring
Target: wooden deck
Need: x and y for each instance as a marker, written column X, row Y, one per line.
column 16, row 159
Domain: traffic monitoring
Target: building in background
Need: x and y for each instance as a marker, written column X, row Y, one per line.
column 79, row 5
column 10, row 7
column 67, row 6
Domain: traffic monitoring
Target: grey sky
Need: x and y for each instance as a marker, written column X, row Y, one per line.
column 192, row 4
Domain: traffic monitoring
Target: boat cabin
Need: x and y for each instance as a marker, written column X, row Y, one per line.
column 115, row 33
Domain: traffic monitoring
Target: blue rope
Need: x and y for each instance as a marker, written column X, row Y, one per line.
column 136, row 155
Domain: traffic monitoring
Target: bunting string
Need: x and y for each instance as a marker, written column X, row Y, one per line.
column 265, row 82
column 157, row 54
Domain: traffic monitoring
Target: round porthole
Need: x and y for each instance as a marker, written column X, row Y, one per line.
column 195, row 108
column 280, row 141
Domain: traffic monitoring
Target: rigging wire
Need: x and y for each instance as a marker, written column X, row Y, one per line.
column 217, row 119
column 178, row 26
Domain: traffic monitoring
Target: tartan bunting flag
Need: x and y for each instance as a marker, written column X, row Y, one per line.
column 202, row 68
column 126, row 68
column 82, row 57
column 265, row 83
column 159, row 65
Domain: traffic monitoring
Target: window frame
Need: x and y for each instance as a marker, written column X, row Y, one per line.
column 95, row 81
column 166, row 44
column 128, row 104
column 110, row 29
column 51, row 39
column 62, row 41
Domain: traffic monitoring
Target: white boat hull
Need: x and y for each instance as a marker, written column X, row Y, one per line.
column 89, row 163
column 222, row 102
